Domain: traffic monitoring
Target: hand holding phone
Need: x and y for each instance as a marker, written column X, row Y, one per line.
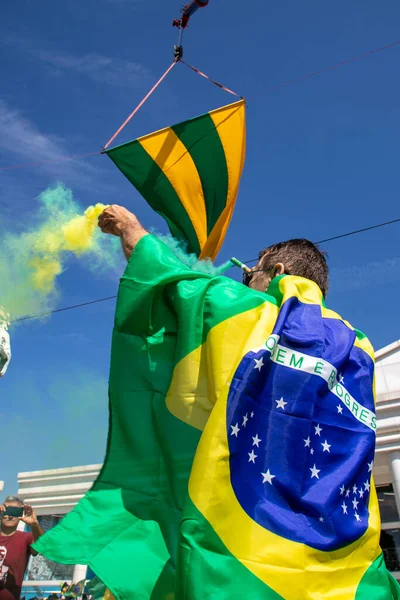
column 14, row 511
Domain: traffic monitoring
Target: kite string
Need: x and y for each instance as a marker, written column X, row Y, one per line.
column 222, row 87
column 139, row 106
column 153, row 89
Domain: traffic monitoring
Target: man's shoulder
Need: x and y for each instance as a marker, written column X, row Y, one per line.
column 24, row 537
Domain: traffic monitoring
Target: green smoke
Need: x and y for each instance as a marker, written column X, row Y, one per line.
column 191, row 260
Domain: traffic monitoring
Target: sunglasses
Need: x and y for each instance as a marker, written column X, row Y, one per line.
column 247, row 275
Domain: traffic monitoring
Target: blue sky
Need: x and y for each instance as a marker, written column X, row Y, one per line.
column 322, row 159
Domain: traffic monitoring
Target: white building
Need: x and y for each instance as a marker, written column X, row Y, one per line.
column 55, row 492
column 387, row 456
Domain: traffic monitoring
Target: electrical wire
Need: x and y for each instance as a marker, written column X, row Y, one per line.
column 341, row 63
column 57, row 310
column 343, row 235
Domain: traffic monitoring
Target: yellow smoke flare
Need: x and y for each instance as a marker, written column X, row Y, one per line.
column 77, row 236
column 78, row 233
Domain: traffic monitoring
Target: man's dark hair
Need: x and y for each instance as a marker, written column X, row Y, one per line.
column 300, row 257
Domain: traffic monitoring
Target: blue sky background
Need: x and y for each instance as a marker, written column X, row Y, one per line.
column 322, row 159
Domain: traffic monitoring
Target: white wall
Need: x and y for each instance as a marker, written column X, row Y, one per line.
column 56, row 491
column 387, row 380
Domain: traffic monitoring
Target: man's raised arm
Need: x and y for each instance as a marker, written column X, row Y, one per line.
column 118, row 221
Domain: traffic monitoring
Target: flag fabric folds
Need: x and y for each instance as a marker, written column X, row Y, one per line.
column 240, row 451
column 189, row 173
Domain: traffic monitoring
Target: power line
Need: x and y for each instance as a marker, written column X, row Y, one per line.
column 341, row 63
column 57, row 310
column 331, row 239
column 338, row 237
column 343, row 235
column 270, row 89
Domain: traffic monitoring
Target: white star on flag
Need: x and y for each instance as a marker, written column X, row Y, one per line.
column 326, row 446
column 307, row 442
column 341, row 378
column 339, row 409
column 314, row 471
column 321, row 519
column 256, row 440
column 245, row 419
column 355, row 504
column 252, row 415
column 252, row 456
column 267, row 477
column 259, row 363
column 280, row 403
column 357, row 517
column 361, row 492
column 370, row 466
column 318, row 430
column 311, row 450
column 344, row 506
column 347, row 493
column 354, row 489
column 342, row 490
column 235, row 429
column 367, row 486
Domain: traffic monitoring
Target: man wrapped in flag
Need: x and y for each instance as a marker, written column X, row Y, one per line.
column 242, row 422
column 281, row 502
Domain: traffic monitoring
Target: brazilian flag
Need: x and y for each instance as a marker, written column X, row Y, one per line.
column 242, row 428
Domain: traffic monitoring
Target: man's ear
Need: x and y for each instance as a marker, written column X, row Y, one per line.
column 279, row 269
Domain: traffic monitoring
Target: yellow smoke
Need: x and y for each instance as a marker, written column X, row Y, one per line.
column 45, row 270
column 37, row 250
column 78, row 233
column 54, row 238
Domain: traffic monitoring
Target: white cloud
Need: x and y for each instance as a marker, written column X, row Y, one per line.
column 22, row 141
column 362, row 276
column 99, row 68
column 22, row 137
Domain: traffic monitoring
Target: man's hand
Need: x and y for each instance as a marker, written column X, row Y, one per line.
column 29, row 517
column 117, row 219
